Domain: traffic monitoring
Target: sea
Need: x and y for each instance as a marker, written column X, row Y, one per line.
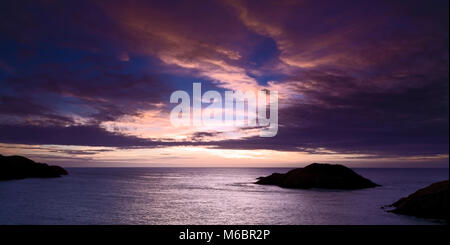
column 204, row 196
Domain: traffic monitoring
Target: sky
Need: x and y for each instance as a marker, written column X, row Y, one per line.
column 361, row 83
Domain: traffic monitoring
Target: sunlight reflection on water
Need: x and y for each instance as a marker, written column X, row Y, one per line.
column 202, row 196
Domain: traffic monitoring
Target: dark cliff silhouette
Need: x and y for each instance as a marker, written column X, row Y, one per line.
column 318, row 175
column 428, row 202
column 18, row 167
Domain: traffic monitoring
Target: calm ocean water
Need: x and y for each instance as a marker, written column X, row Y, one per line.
column 203, row 196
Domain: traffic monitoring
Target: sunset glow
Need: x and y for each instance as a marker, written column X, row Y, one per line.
column 355, row 87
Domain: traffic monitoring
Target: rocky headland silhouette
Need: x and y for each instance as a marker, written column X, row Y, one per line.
column 18, row 167
column 428, row 202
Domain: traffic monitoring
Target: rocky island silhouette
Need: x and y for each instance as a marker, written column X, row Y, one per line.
column 318, row 175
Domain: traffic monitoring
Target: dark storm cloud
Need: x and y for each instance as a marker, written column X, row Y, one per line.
column 102, row 96
column 74, row 135
column 91, row 135
column 67, row 60
column 348, row 119
column 373, row 77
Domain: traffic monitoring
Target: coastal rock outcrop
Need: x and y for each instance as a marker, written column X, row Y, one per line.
column 428, row 202
column 18, row 167
column 318, row 175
